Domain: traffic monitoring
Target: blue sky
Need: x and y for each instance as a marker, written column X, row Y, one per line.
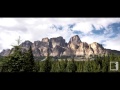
column 105, row 31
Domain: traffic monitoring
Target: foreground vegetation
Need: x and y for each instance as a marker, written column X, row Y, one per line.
column 24, row 62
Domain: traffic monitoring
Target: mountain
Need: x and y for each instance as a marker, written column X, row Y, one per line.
column 58, row 47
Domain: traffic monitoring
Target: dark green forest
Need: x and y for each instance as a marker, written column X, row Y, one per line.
column 24, row 62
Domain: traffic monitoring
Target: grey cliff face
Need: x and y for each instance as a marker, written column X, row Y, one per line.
column 97, row 48
column 57, row 51
column 36, row 44
column 57, row 41
column 83, row 49
column 74, row 43
column 57, row 46
column 75, row 40
column 68, row 52
column 26, row 44
column 45, row 39
column 36, row 52
column 5, row 52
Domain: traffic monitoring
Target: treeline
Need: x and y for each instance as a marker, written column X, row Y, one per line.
column 100, row 64
column 18, row 62
column 24, row 62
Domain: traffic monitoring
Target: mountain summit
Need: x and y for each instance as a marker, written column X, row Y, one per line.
column 57, row 46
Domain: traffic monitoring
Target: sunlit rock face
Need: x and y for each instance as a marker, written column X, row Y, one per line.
column 57, row 46
column 97, row 48
column 5, row 52
column 57, row 41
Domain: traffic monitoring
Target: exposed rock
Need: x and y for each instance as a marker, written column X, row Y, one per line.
column 36, row 44
column 75, row 40
column 44, row 51
column 74, row 43
column 97, row 48
column 26, row 44
column 36, row 52
column 57, row 41
column 83, row 49
column 109, row 51
column 58, row 47
column 73, row 46
column 5, row 52
column 45, row 40
column 57, row 51
column 68, row 52
column 40, row 44
column 89, row 51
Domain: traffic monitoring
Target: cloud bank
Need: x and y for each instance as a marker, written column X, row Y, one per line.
column 102, row 30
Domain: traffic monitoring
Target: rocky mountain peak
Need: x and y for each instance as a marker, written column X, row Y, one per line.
column 57, row 41
column 96, row 45
column 36, row 43
column 58, row 47
column 75, row 39
column 97, row 48
column 5, row 52
column 45, row 39
column 26, row 44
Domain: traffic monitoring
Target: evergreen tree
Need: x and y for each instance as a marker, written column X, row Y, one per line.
column 85, row 69
column 14, row 60
column 4, row 67
column 105, row 64
column 47, row 64
column 55, row 66
column 36, row 67
column 62, row 65
column 78, row 67
column 19, row 61
column 89, row 66
column 29, row 63
column 72, row 66
column 42, row 66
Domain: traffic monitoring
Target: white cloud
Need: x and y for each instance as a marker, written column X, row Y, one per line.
column 83, row 27
column 9, row 38
column 10, row 22
column 90, row 38
column 110, row 43
column 37, row 28
column 113, row 43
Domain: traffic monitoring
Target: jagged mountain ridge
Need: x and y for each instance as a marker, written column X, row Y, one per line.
column 58, row 47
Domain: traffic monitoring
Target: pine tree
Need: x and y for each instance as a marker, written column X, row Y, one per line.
column 88, row 65
column 78, row 67
column 19, row 61
column 62, row 65
column 29, row 63
column 72, row 66
column 4, row 67
column 105, row 64
column 41, row 66
column 47, row 64
column 54, row 66
column 14, row 60
column 85, row 63
column 36, row 67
